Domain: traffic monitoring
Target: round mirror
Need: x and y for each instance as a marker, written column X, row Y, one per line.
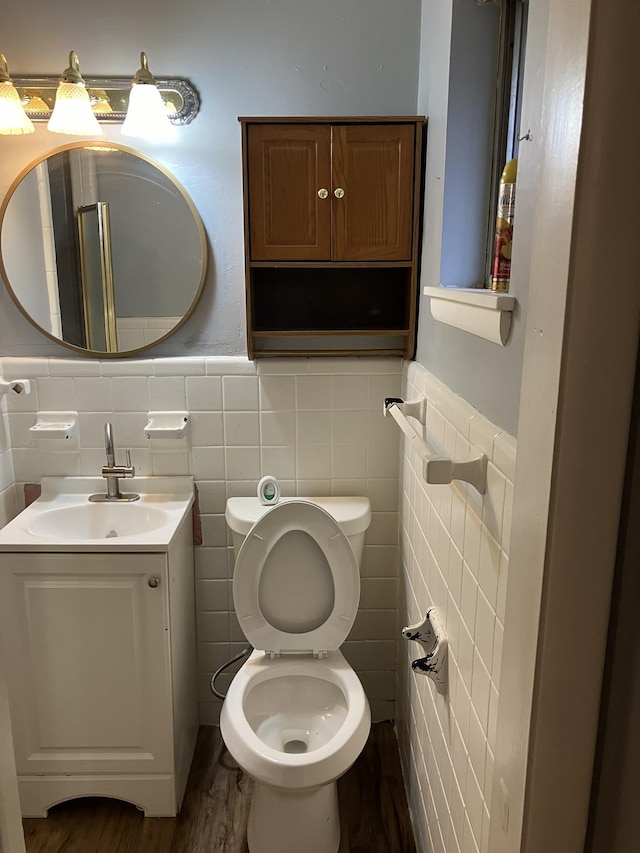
column 101, row 249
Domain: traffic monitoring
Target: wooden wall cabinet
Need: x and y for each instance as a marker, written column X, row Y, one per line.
column 332, row 216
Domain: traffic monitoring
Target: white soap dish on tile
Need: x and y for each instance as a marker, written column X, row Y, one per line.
column 55, row 431
column 167, row 425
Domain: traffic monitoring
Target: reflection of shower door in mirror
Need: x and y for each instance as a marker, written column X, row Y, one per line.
column 96, row 271
column 158, row 244
column 65, row 239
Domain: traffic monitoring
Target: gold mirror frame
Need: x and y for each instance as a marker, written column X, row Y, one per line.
column 201, row 236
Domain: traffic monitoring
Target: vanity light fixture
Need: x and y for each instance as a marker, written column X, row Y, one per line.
column 146, row 113
column 33, row 103
column 13, row 119
column 109, row 99
column 100, row 101
column 72, row 113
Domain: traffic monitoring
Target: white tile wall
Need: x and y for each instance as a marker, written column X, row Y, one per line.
column 316, row 424
column 455, row 556
column 134, row 332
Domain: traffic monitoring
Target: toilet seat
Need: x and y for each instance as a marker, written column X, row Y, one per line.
column 306, row 606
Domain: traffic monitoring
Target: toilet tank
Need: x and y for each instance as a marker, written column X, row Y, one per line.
column 353, row 514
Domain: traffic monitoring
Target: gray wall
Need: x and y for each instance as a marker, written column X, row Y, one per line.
column 457, row 57
column 286, row 57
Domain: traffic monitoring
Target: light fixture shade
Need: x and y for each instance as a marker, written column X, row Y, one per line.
column 72, row 113
column 13, row 119
column 146, row 113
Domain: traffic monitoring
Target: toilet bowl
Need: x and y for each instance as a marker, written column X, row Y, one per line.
column 295, row 717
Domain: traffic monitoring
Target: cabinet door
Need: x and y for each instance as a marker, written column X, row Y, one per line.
column 86, row 647
column 288, row 165
column 374, row 166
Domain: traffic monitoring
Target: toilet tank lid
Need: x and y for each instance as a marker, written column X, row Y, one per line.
column 353, row 514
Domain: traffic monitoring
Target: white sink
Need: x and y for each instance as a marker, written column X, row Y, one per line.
column 97, row 521
column 63, row 519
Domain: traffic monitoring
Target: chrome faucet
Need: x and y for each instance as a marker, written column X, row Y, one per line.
column 108, row 444
column 112, row 472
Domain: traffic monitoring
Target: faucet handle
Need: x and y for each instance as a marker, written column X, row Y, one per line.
column 132, row 471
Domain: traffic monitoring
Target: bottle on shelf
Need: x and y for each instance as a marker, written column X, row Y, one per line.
column 501, row 266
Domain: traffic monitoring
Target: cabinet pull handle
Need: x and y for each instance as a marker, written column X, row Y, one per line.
column 338, row 192
column 323, row 193
column 154, row 583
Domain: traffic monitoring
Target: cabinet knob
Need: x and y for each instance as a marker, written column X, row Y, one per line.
column 323, row 193
column 154, row 583
column 338, row 192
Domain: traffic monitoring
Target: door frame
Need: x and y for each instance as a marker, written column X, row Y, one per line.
column 582, row 335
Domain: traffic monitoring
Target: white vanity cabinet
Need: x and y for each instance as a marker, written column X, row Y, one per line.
column 100, row 659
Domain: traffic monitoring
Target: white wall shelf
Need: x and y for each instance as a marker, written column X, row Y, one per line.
column 475, row 310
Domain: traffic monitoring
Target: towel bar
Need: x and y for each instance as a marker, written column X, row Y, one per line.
column 435, row 469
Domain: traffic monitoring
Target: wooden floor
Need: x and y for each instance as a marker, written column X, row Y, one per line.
column 213, row 818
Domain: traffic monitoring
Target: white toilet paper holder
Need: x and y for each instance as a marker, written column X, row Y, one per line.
column 431, row 636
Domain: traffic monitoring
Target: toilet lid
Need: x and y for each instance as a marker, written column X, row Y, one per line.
column 296, row 581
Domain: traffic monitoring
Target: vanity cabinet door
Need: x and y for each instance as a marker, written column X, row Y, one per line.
column 289, row 191
column 86, row 646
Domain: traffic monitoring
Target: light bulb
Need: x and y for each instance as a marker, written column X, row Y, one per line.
column 13, row 119
column 146, row 113
column 72, row 113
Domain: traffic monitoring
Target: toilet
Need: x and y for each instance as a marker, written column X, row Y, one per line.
column 295, row 717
